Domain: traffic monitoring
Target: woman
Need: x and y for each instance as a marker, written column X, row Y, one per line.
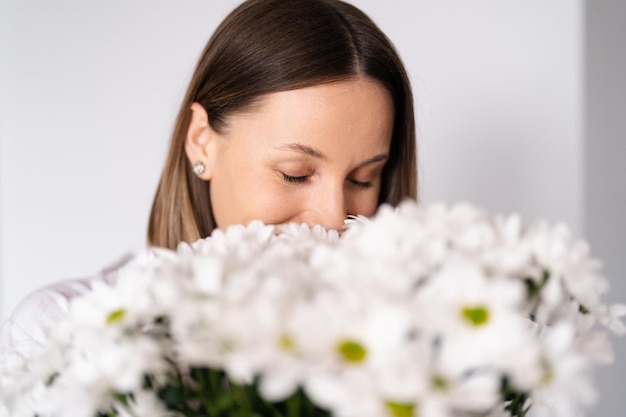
column 298, row 111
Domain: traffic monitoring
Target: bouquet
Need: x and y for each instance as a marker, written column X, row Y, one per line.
column 429, row 311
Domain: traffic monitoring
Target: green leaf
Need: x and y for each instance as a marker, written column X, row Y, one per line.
column 205, row 392
column 516, row 399
column 532, row 288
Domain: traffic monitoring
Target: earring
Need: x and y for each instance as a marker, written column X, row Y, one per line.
column 198, row 168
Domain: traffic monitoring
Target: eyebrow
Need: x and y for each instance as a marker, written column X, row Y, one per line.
column 307, row 150
column 377, row 158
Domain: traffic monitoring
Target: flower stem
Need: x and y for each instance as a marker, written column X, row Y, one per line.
column 293, row 405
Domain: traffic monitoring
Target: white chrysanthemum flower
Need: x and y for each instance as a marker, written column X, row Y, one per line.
column 478, row 320
column 610, row 317
column 99, row 307
column 596, row 346
column 96, row 367
column 470, row 229
column 306, row 236
column 510, row 253
column 349, row 339
column 565, row 389
column 16, row 378
column 563, row 268
column 240, row 242
column 475, row 394
column 421, row 310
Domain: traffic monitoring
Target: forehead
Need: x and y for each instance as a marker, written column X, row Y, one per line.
column 354, row 115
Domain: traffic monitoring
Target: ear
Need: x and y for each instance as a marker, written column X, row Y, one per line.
column 201, row 141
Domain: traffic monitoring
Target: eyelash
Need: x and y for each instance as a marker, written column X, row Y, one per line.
column 294, row 179
column 301, row 179
column 360, row 184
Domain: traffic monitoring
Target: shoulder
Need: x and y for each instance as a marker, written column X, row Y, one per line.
column 30, row 323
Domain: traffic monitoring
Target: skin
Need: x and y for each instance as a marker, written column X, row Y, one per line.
column 312, row 155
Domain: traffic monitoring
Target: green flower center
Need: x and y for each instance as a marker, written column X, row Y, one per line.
column 227, row 346
column 477, row 316
column 116, row 316
column 400, row 409
column 439, row 383
column 352, row 351
column 548, row 375
column 286, row 343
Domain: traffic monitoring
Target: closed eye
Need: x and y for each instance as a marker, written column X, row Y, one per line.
column 361, row 184
column 299, row 179
column 294, row 179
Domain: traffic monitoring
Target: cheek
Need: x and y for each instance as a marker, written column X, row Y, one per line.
column 273, row 204
column 230, row 192
column 363, row 203
column 242, row 197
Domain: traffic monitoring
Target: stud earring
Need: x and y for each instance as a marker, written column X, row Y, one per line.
column 198, row 168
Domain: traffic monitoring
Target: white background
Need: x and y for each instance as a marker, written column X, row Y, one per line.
column 520, row 108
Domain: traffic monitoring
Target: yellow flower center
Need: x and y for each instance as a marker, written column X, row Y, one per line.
column 476, row 316
column 116, row 316
column 352, row 351
column 286, row 343
column 439, row 383
column 400, row 409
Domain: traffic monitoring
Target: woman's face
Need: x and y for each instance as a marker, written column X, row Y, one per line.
column 312, row 155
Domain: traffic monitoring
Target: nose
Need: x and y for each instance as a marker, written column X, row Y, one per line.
column 328, row 209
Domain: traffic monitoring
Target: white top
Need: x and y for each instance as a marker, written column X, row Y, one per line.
column 30, row 323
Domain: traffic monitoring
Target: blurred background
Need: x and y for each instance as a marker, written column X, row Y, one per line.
column 520, row 108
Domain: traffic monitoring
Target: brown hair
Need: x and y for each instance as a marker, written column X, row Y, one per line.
column 265, row 46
